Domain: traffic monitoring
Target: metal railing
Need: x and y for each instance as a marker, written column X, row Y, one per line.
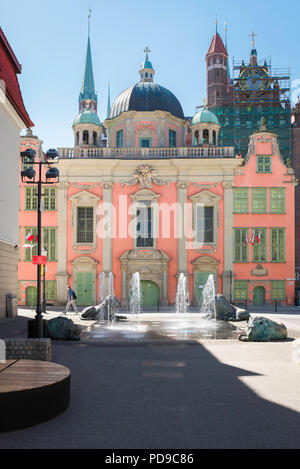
column 147, row 153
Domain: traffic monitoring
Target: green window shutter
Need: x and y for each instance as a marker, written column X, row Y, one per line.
column 241, row 200
column 240, row 289
column 277, row 200
column 277, row 245
column 29, row 252
column 50, row 288
column 263, row 164
column 241, row 249
column 49, row 243
column 49, row 198
column 278, row 290
column 259, row 249
column 30, row 198
column 259, row 200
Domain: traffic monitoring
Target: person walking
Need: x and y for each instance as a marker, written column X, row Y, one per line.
column 71, row 300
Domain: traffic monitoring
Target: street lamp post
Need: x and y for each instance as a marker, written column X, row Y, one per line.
column 44, row 253
column 28, row 176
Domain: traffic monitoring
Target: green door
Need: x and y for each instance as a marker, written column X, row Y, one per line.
column 200, row 284
column 84, row 288
column 31, row 296
column 259, row 296
column 149, row 293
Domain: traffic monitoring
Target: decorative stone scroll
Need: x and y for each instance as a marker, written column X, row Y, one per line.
column 144, row 178
column 204, row 186
column 206, row 250
column 107, row 185
column 227, row 185
column 84, row 186
column 259, row 271
column 83, row 251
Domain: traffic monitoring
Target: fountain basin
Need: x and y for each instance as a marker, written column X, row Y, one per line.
column 189, row 327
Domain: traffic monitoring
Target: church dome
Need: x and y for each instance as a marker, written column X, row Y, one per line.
column 146, row 96
column 87, row 117
column 205, row 116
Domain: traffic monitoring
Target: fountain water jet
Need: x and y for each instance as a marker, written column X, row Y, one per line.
column 111, row 291
column 182, row 296
column 102, row 286
column 135, row 295
column 208, row 307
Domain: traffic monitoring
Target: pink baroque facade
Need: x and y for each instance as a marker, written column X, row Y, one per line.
column 163, row 198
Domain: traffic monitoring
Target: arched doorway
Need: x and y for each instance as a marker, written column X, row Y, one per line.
column 31, row 296
column 203, row 266
column 202, row 278
column 84, row 271
column 150, row 293
column 258, row 296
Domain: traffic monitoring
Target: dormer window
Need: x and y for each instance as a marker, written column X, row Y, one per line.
column 120, row 138
column 263, row 164
column 172, row 138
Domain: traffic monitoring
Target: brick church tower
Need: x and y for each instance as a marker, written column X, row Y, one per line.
column 217, row 74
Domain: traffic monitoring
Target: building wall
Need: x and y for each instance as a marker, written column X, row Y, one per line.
column 264, row 143
column 10, row 126
column 27, row 272
column 296, row 165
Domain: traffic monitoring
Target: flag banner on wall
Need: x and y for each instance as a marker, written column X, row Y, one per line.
column 246, row 239
column 258, row 237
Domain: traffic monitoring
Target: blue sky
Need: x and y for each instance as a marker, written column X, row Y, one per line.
column 49, row 39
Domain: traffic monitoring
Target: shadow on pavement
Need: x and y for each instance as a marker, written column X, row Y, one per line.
column 158, row 396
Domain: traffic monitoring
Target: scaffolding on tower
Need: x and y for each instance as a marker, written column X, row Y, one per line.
column 251, row 97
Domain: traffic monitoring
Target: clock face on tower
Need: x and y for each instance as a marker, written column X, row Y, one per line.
column 254, row 79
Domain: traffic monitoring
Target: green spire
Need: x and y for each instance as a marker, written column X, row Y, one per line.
column 108, row 101
column 88, row 86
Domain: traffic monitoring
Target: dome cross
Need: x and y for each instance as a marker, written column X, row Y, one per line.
column 253, row 36
column 147, row 50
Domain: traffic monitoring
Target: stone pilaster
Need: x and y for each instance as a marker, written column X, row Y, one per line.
column 164, row 299
column 228, row 238
column 62, row 275
column 182, row 226
column 107, row 188
column 124, row 285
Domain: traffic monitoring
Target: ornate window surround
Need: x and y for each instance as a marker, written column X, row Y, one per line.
column 145, row 194
column 207, row 199
column 83, row 199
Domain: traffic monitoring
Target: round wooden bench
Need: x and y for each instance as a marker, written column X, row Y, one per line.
column 32, row 392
